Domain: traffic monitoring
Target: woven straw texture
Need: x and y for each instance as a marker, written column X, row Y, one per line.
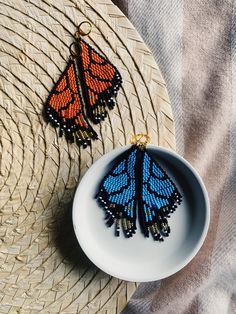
column 42, row 268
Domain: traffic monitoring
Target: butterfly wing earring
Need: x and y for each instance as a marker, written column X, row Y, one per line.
column 64, row 108
column 137, row 186
column 88, row 85
column 100, row 78
column 117, row 193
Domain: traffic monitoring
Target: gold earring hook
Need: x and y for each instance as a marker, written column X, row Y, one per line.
column 140, row 139
column 75, row 50
column 81, row 32
column 72, row 51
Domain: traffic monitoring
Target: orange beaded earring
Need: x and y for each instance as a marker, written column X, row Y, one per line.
column 88, row 79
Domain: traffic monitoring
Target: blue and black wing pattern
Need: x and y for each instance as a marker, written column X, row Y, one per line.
column 117, row 194
column 138, row 184
column 159, row 198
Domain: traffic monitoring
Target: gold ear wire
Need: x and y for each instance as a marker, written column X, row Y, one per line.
column 140, row 139
column 81, row 32
column 73, row 53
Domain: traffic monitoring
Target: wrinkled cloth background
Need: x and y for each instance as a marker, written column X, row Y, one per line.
column 194, row 43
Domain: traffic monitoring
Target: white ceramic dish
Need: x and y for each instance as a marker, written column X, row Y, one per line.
column 141, row 259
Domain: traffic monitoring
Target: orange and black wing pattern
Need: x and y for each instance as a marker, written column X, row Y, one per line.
column 64, row 108
column 100, row 79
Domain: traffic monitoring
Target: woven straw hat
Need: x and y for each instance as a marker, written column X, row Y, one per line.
column 42, row 268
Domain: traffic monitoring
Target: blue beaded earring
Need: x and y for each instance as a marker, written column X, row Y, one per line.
column 138, row 186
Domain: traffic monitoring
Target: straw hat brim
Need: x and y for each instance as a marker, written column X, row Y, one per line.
column 42, row 268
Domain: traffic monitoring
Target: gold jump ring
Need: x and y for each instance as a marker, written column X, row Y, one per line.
column 140, row 139
column 81, row 32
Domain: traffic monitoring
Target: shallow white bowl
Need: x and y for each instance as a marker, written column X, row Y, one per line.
column 142, row 259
